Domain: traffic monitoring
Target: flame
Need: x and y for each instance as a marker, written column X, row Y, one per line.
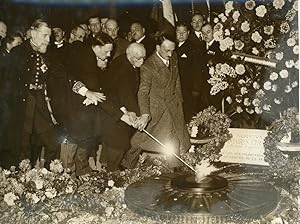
column 204, row 169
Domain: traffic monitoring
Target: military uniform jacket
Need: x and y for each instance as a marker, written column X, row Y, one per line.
column 32, row 78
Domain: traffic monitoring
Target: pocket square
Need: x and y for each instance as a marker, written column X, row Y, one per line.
column 183, row 56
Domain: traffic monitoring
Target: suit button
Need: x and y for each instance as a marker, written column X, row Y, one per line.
column 23, row 100
column 25, row 84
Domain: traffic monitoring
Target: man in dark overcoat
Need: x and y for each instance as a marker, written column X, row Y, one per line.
column 121, row 87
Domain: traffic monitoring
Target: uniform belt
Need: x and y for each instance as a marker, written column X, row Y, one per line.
column 37, row 87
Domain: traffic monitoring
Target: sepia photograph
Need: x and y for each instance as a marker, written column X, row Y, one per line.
column 149, row 111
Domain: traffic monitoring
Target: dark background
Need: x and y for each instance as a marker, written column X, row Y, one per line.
column 18, row 15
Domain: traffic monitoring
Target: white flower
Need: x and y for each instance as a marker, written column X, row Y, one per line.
column 295, row 5
column 35, row 198
column 249, row 111
column 284, row 27
column 239, row 98
column 256, row 102
column 239, row 109
column 232, row 28
column 227, row 32
column 277, row 220
column 69, row 189
column 247, row 102
column 218, row 27
column 245, row 26
column 192, row 148
column 238, row 44
column 294, row 84
column 244, row 90
column 218, row 35
column 296, row 49
column 256, row 37
column 44, row 171
column 240, row 69
column 25, row 165
column 284, row 74
column 261, row 11
column 255, row 51
column 278, row 4
column 236, row 16
column 256, row 85
column 289, row 63
column 267, row 85
column 39, row 183
column 250, row 4
column 277, row 101
column 270, row 43
column 273, row 76
column 228, row 7
column 109, row 211
column 110, row 183
column 287, row 89
column 267, row 107
column 216, row 20
column 258, row 110
column 228, row 99
column 279, row 56
column 6, row 172
column 56, row 166
column 241, row 81
column 291, row 42
column 10, row 198
column 268, row 29
column 297, row 64
column 274, row 87
column 223, row 19
column 50, row 192
column 260, row 93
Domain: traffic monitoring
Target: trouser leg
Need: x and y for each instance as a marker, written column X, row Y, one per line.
column 81, row 161
column 114, row 157
column 67, row 156
column 52, row 147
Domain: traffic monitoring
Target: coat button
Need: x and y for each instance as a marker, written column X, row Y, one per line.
column 23, row 100
column 25, row 84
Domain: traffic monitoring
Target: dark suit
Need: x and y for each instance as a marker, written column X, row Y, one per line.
column 31, row 78
column 120, row 46
column 200, row 76
column 184, row 53
column 121, row 87
column 210, row 10
column 149, row 45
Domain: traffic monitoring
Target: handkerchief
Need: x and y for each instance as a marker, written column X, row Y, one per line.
column 183, row 56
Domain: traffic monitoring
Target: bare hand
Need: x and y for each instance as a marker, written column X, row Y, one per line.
column 95, row 97
column 142, row 122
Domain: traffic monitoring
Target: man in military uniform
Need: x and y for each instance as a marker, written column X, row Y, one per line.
column 31, row 74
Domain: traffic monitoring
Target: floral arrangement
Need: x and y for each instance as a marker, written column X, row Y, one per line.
column 212, row 124
column 285, row 170
column 42, row 196
column 258, row 33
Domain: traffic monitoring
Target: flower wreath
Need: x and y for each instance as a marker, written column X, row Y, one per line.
column 213, row 126
column 285, row 170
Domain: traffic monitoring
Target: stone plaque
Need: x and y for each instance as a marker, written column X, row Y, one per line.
column 246, row 146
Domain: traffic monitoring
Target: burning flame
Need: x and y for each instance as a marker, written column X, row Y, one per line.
column 204, row 169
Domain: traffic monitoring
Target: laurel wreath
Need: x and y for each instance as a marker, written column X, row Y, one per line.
column 213, row 126
column 284, row 170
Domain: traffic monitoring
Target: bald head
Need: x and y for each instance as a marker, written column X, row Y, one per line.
column 136, row 54
column 3, row 30
column 111, row 28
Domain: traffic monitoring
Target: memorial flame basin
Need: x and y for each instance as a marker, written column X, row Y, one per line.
column 177, row 198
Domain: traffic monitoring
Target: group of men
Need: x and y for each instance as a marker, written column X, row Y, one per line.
column 94, row 87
